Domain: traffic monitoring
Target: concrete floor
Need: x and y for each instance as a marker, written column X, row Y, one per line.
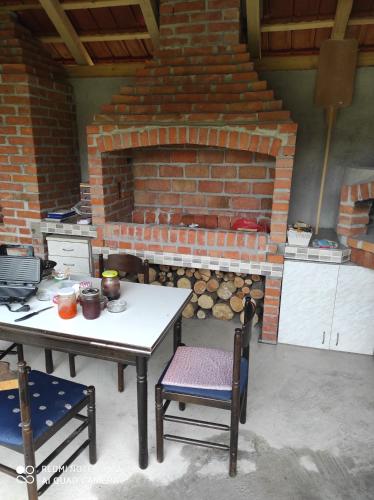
column 309, row 433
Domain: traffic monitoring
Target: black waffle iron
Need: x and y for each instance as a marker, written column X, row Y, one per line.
column 19, row 276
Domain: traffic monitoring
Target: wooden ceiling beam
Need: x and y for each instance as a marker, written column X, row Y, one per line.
column 289, row 63
column 310, row 25
column 253, row 11
column 267, row 63
column 102, row 37
column 83, row 4
column 104, row 70
column 66, row 31
column 343, row 11
column 150, row 14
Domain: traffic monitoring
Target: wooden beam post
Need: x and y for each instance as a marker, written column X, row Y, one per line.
column 254, row 28
column 66, row 30
column 150, row 14
column 343, row 11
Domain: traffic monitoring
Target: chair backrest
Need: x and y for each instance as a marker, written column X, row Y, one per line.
column 8, row 378
column 12, row 380
column 249, row 312
column 242, row 340
column 126, row 263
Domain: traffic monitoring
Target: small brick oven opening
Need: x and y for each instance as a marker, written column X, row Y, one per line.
column 356, row 222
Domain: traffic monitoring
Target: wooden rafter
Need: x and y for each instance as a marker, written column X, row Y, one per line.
column 285, row 63
column 84, row 4
column 102, row 37
column 343, row 11
column 150, row 14
column 253, row 8
column 104, row 70
column 310, row 25
column 66, row 30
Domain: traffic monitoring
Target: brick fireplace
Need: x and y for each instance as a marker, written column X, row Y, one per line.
column 197, row 138
column 355, row 227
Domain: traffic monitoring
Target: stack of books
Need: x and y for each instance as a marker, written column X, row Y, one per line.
column 59, row 215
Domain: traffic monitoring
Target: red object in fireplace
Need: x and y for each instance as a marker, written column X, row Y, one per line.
column 250, row 225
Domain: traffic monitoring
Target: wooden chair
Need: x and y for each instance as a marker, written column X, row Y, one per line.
column 13, row 349
column 208, row 377
column 123, row 263
column 34, row 406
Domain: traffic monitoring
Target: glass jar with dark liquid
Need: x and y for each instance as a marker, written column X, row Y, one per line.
column 110, row 285
column 90, row 302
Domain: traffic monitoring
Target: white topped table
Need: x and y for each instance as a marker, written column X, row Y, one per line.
column 129, row 337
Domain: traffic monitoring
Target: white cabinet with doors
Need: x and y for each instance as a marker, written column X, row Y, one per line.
column 327, row 306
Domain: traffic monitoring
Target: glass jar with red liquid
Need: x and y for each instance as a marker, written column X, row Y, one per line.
column 67, row 303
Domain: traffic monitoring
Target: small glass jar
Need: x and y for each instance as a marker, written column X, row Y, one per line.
column 67, row 303
column 90, row 302
column 110, row 285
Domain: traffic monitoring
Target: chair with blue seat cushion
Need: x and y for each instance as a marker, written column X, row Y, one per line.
column 208, row 377
column 34, row 406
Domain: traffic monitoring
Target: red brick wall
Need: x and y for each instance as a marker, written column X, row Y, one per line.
column 199, row 23
column 39, row 168
column 202, row 181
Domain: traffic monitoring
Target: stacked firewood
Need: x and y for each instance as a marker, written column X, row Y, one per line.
column 215, row 293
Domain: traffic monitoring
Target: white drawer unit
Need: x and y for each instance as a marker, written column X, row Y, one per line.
column 71, row 252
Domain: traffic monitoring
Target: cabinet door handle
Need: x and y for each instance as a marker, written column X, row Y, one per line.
column 68, row 265
column 323, row 337
column 337, row 339
column 68, row 249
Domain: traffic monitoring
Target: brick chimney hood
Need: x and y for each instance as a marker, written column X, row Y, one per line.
column 200, row 102
column 200, row 89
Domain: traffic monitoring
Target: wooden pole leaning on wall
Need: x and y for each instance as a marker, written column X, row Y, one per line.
column 330, row 118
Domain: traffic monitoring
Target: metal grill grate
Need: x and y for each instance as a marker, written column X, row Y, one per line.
column 20, row 270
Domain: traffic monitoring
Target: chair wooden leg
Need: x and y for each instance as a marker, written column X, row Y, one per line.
column 243, row 412
column 48, row 361
column 234, row 431
column 72, row 369
column 121, row 377
column 20, row 352
column 91, row 413
column 30, row 468
column 159, row 425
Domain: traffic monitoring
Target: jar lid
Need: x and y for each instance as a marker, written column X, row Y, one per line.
column 65, row 292
column 90, row 293
column 110, row 274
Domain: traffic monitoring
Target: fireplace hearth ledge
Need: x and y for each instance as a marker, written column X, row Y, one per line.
column 273, row 270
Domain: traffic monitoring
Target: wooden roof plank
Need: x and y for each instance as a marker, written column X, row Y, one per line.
column 66, row 31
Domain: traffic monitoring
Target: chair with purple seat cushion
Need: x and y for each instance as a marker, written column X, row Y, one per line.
column 34, row 406
column 208, row 377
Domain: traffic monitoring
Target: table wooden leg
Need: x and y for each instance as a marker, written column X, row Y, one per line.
column 178, row 342
column 48, row 361
column 177, row 333
column 141, row 381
